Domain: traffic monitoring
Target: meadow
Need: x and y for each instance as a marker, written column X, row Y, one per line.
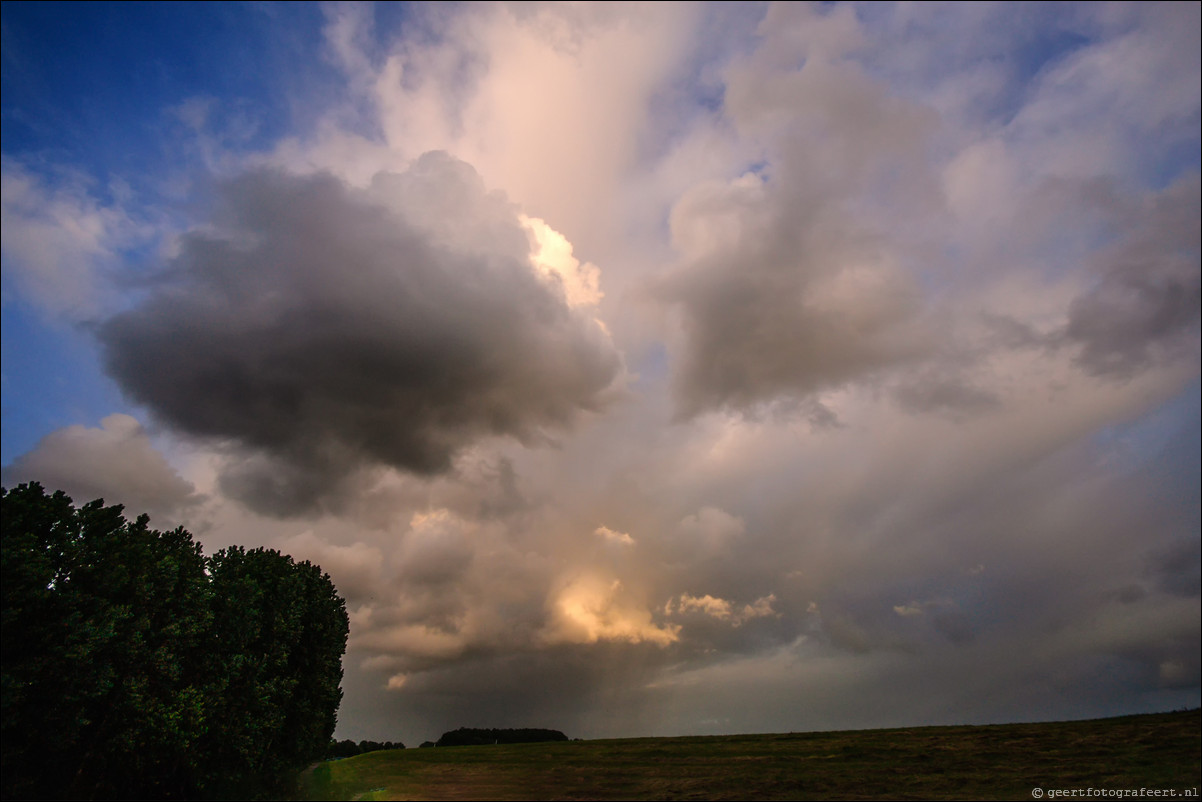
column 1159, row 753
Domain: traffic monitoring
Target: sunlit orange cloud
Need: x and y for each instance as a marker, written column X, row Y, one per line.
column 552, row 256
column 590, row 609
column 722, row 609
column 611, row 536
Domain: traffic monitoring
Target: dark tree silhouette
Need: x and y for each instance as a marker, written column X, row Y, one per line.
column 466, row 736
column 348, row 748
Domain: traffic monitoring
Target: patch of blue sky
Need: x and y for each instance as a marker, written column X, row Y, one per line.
column 389, row 20
column 1165, row 440
column 1171, row 155
column 725, row 33
column 953, row 42
column 119, row 101
column 106, row 88
column 1041, row 50
column 760, row 167
column 652, row 366
column 51, row 374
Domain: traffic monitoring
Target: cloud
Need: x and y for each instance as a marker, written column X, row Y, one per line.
column 589, row 609
column 116, row 462
column 321, row 331
column 718, row 608
column 787, row 286
column 911, row 609
column 58, row 240
column 778, row 316
column 1147, row 302
column 354, row 568
column 906, row 290
column 436, row 550
column 553, row 256
column 710, row 529
column 722, row 609
column 1177, row 567
column 940, row 391
column 952, row 623
column 610, row 536
column 903, row 242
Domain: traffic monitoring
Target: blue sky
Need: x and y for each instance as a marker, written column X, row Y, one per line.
column 645, row 370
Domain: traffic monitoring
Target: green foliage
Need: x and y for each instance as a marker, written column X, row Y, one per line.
column 282, row 631
column 134, row 667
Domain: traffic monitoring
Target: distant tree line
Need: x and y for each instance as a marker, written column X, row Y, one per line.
column 134, row 667
column 465, row 736
column 349, row 748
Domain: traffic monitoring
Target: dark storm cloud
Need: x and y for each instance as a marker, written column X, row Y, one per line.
column 1148, row 298
column 320, row 330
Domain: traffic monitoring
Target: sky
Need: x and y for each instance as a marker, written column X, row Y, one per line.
column 637, row 369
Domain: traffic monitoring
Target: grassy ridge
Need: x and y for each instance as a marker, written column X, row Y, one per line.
column 1162, row 751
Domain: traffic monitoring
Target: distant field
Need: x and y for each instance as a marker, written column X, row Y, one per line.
column 1157, row 752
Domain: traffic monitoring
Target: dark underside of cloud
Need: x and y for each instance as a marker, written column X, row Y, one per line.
column 316, row 330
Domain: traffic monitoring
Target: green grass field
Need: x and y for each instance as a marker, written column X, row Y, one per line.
column 1155, row 752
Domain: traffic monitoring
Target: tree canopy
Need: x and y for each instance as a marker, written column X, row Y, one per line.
column 135, row 667
column 348, row 748
column 467, row 736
